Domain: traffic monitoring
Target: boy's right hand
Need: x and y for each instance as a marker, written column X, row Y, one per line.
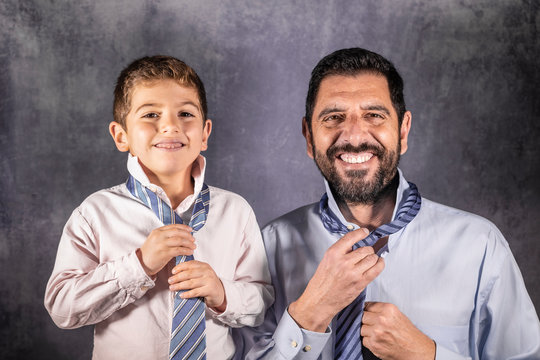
column 163, row 244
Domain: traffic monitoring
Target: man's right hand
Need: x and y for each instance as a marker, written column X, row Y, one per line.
column 163, row 244
column 340, row 277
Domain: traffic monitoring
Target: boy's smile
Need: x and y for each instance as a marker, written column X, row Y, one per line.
column 165, row 129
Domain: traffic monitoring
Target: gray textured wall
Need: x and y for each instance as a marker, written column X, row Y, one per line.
column 471, row 72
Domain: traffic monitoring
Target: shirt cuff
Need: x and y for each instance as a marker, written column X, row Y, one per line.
column 233, row 296
column 132, row 277
column 291, row 341
column 442, row 353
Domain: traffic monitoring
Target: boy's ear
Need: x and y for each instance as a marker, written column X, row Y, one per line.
column 207, row 129
column 119, row 136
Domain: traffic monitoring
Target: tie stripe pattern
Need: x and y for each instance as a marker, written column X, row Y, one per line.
column 349, row 320
column 188, row 338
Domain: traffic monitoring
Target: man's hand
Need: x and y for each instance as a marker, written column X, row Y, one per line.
column 340, row 277
column 163, row 244
column 390, row 335
column 201, row 281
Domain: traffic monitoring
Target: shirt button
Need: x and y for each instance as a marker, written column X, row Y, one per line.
column 307, row 348
column 350, row 227
column 294, row 344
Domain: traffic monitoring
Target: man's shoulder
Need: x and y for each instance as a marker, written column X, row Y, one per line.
column 463, row 225
column 294, row 220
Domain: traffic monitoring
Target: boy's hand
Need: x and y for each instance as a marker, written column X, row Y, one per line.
column 163, row 244
column 201, row 281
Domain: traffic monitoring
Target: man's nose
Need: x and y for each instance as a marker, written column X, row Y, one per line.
column 355, row 130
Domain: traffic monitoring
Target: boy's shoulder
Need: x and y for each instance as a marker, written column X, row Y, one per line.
column 105, row 199
column 221, row 197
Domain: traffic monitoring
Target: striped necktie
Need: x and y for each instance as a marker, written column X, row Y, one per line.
column 347, row 344
column 188, row 338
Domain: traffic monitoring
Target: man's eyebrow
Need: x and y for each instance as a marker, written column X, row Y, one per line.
column 382, row 108
column 330, row 110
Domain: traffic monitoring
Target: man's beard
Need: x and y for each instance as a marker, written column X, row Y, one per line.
column 354, row 187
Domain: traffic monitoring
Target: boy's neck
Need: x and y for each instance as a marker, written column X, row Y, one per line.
column 177, row 187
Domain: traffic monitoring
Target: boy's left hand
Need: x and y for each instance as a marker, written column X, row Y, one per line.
column 200, row 280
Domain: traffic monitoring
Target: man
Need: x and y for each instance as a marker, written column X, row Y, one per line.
column 374, row 268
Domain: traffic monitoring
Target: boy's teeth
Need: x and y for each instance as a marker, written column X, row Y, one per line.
column 169, row 145
column 356, row 158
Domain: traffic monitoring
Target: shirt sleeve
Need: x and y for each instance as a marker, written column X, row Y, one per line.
column 250, row 293
column 286, row 340
column 508, row 326
column 82, row 290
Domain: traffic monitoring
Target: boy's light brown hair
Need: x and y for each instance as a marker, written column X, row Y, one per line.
column 147, row 70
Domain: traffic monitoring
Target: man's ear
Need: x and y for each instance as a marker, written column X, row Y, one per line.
column 207, row 129
column 307, row 134
column 119, row 136
column 404, row 131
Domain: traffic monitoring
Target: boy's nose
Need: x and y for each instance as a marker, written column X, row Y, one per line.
column 170, row 124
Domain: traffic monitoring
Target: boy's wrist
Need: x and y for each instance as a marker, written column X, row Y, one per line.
column 148, row 272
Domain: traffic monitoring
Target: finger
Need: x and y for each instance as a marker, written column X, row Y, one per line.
column 180, row 227
column 194, row 293
column 374, row 271
column 369, row 318
column 366, row 331
column 186, row 275
column 177, row 244
column 359, row 254
column 346, row 243
column 188, row 265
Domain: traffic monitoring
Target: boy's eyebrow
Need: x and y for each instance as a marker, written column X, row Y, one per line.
column 182, row 103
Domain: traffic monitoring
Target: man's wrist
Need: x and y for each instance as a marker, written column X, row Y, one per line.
column 309, row 317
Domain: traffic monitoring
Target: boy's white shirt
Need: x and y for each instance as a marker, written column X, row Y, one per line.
column 98, row 279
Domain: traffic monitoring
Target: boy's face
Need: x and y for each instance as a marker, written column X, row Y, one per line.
column 165, row 128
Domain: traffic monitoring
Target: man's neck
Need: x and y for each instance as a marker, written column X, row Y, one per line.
column 371, row 216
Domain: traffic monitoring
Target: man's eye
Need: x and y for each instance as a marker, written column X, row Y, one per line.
column 332, row 118
column 150, row 115
column 375, row 115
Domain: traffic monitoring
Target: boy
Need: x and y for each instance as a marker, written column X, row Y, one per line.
column 120, row 262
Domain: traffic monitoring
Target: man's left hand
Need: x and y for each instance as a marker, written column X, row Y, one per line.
column 389, row 334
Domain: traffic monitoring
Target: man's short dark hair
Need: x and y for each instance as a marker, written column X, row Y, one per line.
column 350, row 62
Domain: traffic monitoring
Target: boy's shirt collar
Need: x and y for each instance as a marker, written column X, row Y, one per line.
column 197, row 173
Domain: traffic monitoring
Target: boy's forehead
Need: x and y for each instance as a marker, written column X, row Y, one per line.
column 146, row 90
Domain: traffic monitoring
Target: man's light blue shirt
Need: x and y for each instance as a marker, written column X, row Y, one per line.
column 450, row 272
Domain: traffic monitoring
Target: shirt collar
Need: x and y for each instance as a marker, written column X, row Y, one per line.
column 332, row 204
column 197, row 173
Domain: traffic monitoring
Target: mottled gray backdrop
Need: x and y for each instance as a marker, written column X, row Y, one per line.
column 471, row 75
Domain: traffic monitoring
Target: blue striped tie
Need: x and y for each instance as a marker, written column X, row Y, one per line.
column 347, row 344
column 188, row 338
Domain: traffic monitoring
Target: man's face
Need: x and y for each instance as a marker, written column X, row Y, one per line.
column 355, row 137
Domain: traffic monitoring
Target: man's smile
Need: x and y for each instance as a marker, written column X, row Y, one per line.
column 355, row 158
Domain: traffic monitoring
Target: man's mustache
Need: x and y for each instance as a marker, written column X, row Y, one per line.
column 375, row 149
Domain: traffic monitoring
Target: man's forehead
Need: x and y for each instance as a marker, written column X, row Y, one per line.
column 367, row 87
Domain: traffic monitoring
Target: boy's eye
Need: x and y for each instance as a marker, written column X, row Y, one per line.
column 186, row 114
column 151, row 115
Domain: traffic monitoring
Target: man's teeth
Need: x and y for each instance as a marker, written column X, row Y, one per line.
column 355, row 158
